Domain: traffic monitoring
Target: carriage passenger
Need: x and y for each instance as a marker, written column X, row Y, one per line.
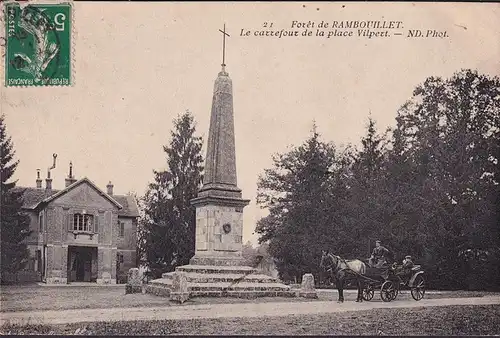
column 408, row 262
column 407, row 265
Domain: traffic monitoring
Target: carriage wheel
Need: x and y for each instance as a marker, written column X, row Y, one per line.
column 418, row 288
column 368, row 293
column 396, row 291
column 387, row 291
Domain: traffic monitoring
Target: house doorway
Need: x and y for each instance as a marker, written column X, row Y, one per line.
column 82, row 264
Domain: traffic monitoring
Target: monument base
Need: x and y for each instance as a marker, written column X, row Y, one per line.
column 217, row 261
column 225, row 279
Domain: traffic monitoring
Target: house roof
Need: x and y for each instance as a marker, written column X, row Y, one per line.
column 33, row 197
column 129, row 206
column 77, row 183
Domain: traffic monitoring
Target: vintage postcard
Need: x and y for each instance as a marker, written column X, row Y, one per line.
column 249, row 167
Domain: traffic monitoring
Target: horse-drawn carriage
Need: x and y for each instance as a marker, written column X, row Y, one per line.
column 390, row 280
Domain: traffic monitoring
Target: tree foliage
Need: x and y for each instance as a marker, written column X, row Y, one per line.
column 259, row 258
column 449, row 133
column 430, row 190
column 14, row 223
column 168, row 224
column 302, row 192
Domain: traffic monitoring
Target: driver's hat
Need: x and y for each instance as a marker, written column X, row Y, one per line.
column 408, row 256
column 378, row 241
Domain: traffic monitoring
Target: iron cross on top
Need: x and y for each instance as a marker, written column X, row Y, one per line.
column 224, row 45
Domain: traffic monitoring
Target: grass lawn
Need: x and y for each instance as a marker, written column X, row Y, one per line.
column 453, row 320
column 36, row 298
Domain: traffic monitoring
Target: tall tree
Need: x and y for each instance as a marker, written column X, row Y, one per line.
column 449, row 133
column 14, row 223
column 169, row 219
column 367, row 201
column 368, row 161
column 302, row 199
column 141, row 233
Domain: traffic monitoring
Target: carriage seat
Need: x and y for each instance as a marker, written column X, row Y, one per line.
column 377, row 272
column 415, row 268
column 372, row 271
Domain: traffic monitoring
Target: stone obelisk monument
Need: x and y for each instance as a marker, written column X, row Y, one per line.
column 219, row 206
column 217, row 268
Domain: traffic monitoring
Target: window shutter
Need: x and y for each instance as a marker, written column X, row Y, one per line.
column 96, row 223
column 69, row 221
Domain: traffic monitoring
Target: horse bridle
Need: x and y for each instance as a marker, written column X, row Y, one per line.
column 338, row 259
column 330, row 267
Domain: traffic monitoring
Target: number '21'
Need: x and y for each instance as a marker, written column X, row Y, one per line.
column 267, row 24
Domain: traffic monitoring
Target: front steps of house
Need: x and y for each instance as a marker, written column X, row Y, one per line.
column 222, row 281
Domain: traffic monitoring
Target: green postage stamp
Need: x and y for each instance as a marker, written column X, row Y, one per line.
column 38, row 44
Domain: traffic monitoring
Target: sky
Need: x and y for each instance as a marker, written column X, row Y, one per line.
column 138, row 65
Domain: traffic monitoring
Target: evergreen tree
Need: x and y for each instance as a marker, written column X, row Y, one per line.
column 367, row 205
column 301, row 195
column 369, row 160
column 169, row 219
column 14, row 223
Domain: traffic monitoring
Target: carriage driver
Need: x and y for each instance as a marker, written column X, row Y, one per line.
column 378, row 257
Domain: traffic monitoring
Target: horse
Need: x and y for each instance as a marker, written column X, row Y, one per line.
column 344, row 270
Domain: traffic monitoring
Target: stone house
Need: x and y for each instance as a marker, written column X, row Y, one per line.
column 80, row 233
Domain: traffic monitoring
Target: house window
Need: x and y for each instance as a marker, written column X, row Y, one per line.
column 38, row 266
column 40, row 221
column 83, row 222
column 122, row 229
column 31, row 264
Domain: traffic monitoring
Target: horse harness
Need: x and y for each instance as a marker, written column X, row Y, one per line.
column 340, row 259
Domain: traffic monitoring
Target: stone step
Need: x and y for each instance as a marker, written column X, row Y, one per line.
column 195, row 277
column 222, row 281
column 158, row 290
column 243, row 293
column 211, row 269
column 242, row 290
column 164, row 291
column 241, row 286
column 161, row 281
column 219, row 286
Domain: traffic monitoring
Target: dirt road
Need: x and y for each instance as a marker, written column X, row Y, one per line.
column 240, row 310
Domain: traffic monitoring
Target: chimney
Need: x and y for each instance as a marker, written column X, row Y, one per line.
column 38, row 180
column 48, row 181
column 110, row 188
column 70, row 179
